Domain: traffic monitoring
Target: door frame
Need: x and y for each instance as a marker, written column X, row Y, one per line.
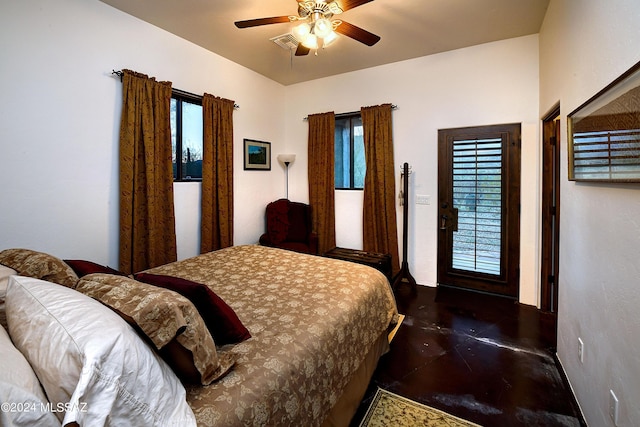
column 550, row 210
column 508, row 283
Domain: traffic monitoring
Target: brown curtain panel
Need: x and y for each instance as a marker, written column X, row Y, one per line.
column 147, row 222
column 379, row 213
column 321, row 172
column 217, row 174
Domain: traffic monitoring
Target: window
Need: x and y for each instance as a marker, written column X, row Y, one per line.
column 186, row 136
column 477, row 194
column 350, row 166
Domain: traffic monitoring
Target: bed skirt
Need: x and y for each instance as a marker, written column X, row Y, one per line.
column 347, row 405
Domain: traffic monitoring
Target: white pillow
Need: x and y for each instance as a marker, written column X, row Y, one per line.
column 23, row 401
column 5, row 272
column 90, row 360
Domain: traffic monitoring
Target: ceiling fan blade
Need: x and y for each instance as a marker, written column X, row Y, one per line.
column 302, row 50
column 350, row 4
column 357, row 33
column 262, row 21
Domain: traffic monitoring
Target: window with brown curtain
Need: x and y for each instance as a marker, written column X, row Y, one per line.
column 147, row 223
column 321, row 178
column 350, row 164
column 217, row 174
column 379, row 213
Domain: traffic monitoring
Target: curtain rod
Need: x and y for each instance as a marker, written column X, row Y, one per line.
column 176, row 91
column 340, row 115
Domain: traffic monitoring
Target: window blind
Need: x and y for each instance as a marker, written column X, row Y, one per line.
column 477, row 194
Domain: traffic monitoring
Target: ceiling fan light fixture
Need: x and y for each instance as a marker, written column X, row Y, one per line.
column 318, row 29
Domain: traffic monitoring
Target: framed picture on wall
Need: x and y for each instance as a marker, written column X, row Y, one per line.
column 604, row 133
column 257, row 155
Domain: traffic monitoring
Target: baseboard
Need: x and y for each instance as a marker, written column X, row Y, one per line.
column 567, row 384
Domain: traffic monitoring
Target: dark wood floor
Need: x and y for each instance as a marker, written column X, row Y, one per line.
column 483, row 358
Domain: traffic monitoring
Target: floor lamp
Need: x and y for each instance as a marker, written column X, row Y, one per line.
column 286, row 159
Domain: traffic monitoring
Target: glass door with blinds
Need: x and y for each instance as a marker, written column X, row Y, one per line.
column 478, row 215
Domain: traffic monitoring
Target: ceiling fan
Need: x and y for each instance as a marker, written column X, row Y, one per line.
column 317, row 28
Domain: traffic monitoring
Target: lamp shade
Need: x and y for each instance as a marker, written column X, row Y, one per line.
column 330, row 38
column 286, row 159
column 301, row 31
column 322, row 28
column 310, row 41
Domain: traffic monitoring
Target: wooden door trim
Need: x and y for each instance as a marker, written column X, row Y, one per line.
column 550, row 211
column 508, row 284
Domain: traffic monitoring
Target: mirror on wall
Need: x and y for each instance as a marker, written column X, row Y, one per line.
column 604, row 133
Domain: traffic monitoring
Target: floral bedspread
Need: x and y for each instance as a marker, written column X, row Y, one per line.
column 312, row 320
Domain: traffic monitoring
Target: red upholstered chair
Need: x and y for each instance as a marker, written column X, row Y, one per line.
column 289, row 227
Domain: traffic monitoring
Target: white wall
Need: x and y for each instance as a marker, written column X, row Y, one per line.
column 64, row 122
column 488, row 84
column 60, row 120
column 584, row 46
column 59, row 132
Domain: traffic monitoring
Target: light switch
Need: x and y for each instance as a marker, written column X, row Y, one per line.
column 422, row 199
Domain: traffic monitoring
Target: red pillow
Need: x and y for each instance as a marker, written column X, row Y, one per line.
column 222, row 322
column 82, row 267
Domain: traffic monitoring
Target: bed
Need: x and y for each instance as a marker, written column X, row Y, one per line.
column 317, row 329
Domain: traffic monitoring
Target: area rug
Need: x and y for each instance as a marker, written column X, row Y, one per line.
column 390, row 410
column 392, row 332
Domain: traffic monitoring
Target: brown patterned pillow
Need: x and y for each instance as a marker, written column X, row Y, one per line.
column 39, row 265
column 82, row 267
column 169, row 321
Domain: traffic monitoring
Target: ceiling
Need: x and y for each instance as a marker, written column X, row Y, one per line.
column 408, row 28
